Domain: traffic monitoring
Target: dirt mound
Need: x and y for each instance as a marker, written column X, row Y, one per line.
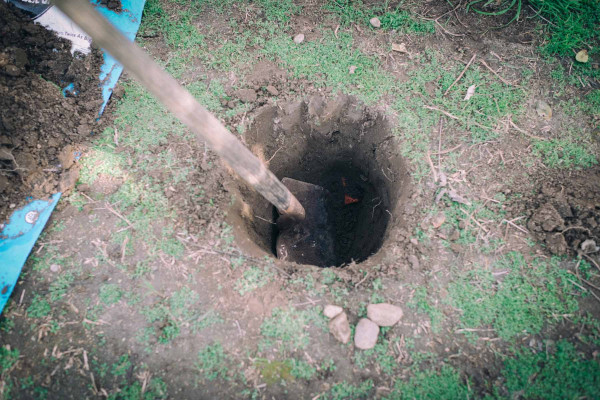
column 564, row 213
column 40, row 128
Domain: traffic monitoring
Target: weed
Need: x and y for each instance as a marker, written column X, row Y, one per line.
column 287, row 328
column 344, row 390
column 155, row 389
column 110, row 293
column 212, row 362
column 561, row 373
column 379, row 355
column 252, row 279
column 421, row 303
column 327, row 63
column 431, row 384
column 122, row 366
column 564, row 153
column 39, row 307
column 302, row 370
column 529, row 295
column 279, row 10
column 8, row 358
column 59, row 287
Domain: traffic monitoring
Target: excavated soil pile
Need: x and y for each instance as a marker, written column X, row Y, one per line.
column 342, row 146
column 564, row 214
column 40, row 129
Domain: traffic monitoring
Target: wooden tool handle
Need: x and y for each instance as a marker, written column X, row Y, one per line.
column 181, row 103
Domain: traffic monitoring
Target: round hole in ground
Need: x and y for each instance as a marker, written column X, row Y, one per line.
column 342, row 146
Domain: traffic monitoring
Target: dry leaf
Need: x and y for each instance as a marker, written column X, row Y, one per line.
column 582, row 56
column 400, row 48
column 470, row 92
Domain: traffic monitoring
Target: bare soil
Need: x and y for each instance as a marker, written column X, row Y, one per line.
column 306, row 133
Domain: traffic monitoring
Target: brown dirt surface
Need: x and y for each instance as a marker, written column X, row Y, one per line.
column 40, row 129
column 156, row 277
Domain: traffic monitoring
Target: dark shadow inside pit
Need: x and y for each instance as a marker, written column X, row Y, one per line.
column 341, row 146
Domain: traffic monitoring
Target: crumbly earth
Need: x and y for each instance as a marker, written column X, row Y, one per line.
column 155, row 277
column 40, row 129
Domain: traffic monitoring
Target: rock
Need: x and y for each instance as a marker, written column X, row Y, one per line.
column 399, row 47
column 231, row 104
column 438, row 219
column 352, row 69
column 365, row 336
column 246, row 95
column 12, row 70
column 340, row 328
column 55, row 268
column 299, row 38
column 375, row 22
column 414, row 261
column 543, row 109
column 272, row 90
column 454, row 235
column 384, row 314
column 83, row 188
column 331, row 311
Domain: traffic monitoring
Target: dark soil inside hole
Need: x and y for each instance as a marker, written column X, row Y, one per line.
column 341, row 146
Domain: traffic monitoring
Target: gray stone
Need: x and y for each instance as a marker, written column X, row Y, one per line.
column 340, row 328
column 299, row 38
column 384, row 314
column 375, row 22
column 365, row 336
column 332, row 311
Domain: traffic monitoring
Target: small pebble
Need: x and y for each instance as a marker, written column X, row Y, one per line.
column 55, row 268
column 299, row 38
column 375, row 22
column 352, row 69
column 331, row 311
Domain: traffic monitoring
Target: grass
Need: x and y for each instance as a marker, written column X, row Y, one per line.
column 39, row 307
column 432, row 384
column 557, row 372
column 212, row 362
column 526, row 297
column 345, row 390
column 327, row 63
column 421, row 302
column 356, row 12
column 381, row 356
column 170, row 314
column 286, row 329
column 253, row 278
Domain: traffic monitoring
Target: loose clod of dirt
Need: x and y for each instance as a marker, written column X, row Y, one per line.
column 343, row 147
column 41, row 130
column 564, row 213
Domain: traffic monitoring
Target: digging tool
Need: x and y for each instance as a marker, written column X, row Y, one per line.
column 304, row 234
